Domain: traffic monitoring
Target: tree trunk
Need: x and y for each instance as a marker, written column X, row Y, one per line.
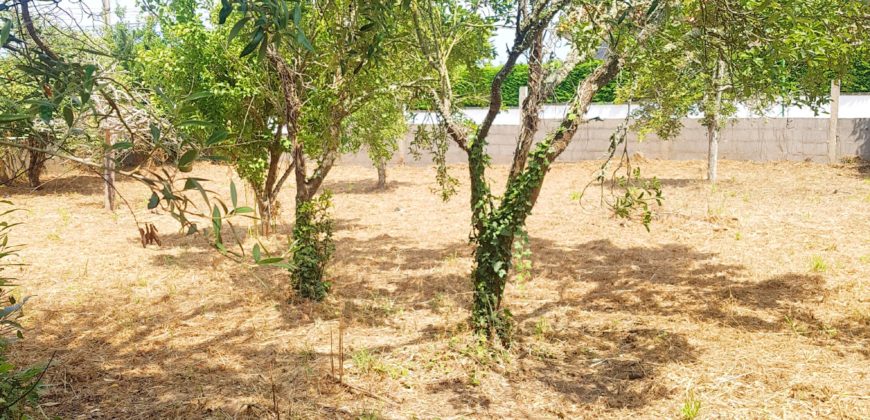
column 496, row 228
column 713, row 150
column 267, row 210
column 492, row 258
column 35, row 163
column 712, row 116
column 382, row 175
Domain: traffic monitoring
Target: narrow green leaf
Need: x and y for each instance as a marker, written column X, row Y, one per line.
column 153, row 201
column 155, row 133
column 7, row 118
column 234, row 195
column 253, row 43
column 68, row 116
column 121, row 145
column 226, row 9
column 237, row 28
column 256, row 252
column 185, row 162
column 218, row 136
column 300, row 38
column 197, row 95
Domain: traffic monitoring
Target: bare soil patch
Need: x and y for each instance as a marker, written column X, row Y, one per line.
column 750, row 298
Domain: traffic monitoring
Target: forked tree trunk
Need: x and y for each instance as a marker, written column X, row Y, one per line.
column 496, row 228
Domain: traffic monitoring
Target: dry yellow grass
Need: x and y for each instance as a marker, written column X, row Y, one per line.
column 751, row 298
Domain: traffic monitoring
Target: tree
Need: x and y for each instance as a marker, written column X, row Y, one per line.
column 716, row 55
column 77, row 82
column 237, row 115
column 497, row 221
column 335, row 63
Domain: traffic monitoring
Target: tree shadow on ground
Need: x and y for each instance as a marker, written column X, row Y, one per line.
column 135, row 361
column 676, row 280
column 81, row 184
column 362, row 186
column 617, row 365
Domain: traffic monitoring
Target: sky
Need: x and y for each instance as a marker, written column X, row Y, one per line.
column 503, row 37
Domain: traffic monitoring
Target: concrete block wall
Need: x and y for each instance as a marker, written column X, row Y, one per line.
column 754, row 139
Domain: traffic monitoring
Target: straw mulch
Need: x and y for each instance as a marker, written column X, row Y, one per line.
column 747, row 300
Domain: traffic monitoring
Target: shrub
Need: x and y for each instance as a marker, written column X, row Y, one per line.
column 18, row 387
column 313, row 247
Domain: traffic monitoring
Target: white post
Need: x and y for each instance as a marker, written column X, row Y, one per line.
column 524, row 93
column 835, row 115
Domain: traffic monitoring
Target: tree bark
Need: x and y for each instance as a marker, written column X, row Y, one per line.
column 714, row 126
column 381, row 166
column 35, row 162
column 496, row 228
column 712, row 150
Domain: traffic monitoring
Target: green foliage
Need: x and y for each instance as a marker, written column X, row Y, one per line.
column 312, row 247
column 472, row 87
column 433, row 138
column 757, row 53
column 18, row 387
column 691, row 406
column 858, row 79
column 818, row 264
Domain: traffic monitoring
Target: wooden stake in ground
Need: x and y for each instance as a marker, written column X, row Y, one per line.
column 835, row 115
column 109, row 173
column 108, row 161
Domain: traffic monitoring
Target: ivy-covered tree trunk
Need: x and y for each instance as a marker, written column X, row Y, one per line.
column 312, row 232
column 496, row 227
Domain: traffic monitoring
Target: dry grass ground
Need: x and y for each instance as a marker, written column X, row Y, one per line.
column 750, row 300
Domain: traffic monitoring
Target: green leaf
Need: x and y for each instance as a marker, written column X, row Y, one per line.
column 218, row 136
column 121, row 145
column 153, row 201
column 199, row 123
column 46, row 111
column 6, row 118
column 237, row 27
column 253, row 43
column 191, row 230
column 197, row 95
column 234, row 195
column 300, row 38
column 269, row 261
column 155, row 133
column 242, row 210
column 185, row 162
column 4, row 32
column 256, row 252
column 226, row 9
column 68, row 116
column 297, row 14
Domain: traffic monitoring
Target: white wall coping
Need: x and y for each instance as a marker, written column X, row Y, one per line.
column 851, row 106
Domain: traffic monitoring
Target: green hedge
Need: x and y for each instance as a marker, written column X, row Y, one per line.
column 473, row 86
column 859, row 78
